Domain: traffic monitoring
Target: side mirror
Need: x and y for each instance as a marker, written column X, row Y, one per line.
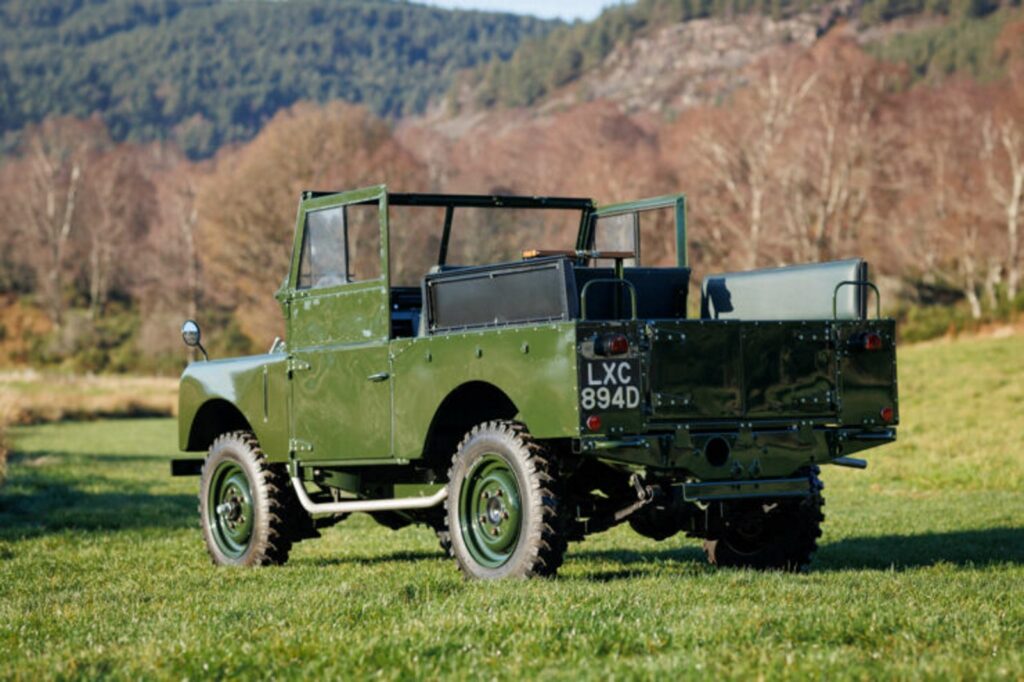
column 191, row 335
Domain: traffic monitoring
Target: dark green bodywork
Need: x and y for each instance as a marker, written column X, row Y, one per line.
column 349, row 403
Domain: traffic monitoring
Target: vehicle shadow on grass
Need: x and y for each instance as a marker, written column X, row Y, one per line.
column 33, row 506
column 402, row 557
column 968, row 548
column 964, row 548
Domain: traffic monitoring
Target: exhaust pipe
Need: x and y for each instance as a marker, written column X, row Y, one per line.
column 349, row 506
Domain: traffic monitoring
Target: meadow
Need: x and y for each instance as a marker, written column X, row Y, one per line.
column 920, row 573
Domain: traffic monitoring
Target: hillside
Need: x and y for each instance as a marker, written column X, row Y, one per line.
column 702, row 45
column 208, row 72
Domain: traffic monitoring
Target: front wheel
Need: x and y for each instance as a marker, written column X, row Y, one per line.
column 244, row 504
column 502, row 506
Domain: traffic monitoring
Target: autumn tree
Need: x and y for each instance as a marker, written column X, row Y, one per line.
column 744, row 153
column 117, row 204
column 246, row 211
column 1002, row 154
column 939, row 231
column 44, row 187
column 834, row 161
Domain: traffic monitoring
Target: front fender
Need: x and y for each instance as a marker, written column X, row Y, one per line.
column 255, row 386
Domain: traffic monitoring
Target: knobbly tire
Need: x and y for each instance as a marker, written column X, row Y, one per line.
column 503, row 505
column 780, row 535
column 247, row 510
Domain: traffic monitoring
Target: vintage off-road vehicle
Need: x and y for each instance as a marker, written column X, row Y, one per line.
column 531, row 381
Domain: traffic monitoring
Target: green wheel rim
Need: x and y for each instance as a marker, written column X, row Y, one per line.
column 490, row 511
column 230, row 509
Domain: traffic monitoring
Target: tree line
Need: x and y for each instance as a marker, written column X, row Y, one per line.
column 204, row 73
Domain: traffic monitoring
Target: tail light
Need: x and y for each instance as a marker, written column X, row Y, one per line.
column 887, row 414
column 869, row 341
column 611, row 344
column 594, row 422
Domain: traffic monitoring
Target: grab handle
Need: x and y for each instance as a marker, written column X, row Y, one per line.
column 859, row 283
column 607, row 280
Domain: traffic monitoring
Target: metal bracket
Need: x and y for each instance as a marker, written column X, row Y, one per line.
column 295, row 445
column 296, row 365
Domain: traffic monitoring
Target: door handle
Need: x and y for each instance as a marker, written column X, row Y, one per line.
column 379, row 376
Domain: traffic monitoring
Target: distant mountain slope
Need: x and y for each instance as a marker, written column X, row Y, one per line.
column 208, row 72
column 569, row 54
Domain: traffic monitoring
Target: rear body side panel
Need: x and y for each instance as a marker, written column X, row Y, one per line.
column 535, row 366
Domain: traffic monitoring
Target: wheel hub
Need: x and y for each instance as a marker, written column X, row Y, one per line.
column 230, row 501
column 490, row 511
column 496, row 511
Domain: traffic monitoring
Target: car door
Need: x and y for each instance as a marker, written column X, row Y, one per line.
column 338, row 329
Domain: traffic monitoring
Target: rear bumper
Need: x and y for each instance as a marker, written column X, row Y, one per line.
column 745, row 452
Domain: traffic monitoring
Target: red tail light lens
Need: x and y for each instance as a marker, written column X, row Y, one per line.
column 887, row 414
column 594, row 422
column 872, row 341
column 612, row 344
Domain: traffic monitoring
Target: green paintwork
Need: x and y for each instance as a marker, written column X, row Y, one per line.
column 489, row 511
column 346, row 396
column 257, row 386
column 426, row 370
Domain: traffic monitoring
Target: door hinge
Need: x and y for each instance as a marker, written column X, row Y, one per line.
column 295, row 365
column 295, row 446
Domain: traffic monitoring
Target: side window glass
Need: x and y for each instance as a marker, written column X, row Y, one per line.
column 323, row 250
column 340, row 245
column 363, row 241
column 617, row 233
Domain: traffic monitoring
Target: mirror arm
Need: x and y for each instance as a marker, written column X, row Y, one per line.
column 203, row 351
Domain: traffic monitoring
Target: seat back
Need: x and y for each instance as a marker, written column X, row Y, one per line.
column 796, row 292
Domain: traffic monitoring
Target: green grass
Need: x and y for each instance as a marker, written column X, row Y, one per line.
column 920, row 573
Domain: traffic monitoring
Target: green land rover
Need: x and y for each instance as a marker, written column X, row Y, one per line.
column 534, row 379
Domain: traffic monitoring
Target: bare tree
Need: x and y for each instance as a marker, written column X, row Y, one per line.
column 1002, row 152
column 742, row 153
column 119, row 202
column 54, row 166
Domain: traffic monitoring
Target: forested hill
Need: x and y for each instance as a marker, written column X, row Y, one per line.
column 542, row 65
column 207, row 72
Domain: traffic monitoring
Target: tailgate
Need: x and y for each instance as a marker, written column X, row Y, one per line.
column 733, row 370
column 703, row 369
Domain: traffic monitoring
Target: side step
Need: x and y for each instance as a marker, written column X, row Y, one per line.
column 349, row 506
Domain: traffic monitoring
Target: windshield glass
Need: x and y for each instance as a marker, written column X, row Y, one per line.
column 493, row 235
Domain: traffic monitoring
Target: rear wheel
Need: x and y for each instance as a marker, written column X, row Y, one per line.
column 777, row 535
column 244, row 504
column 502, row 506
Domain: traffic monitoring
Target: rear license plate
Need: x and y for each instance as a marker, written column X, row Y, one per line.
column 610, row 384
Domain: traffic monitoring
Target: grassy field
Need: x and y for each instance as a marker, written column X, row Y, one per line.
column 920, row 574
column 30, row 397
